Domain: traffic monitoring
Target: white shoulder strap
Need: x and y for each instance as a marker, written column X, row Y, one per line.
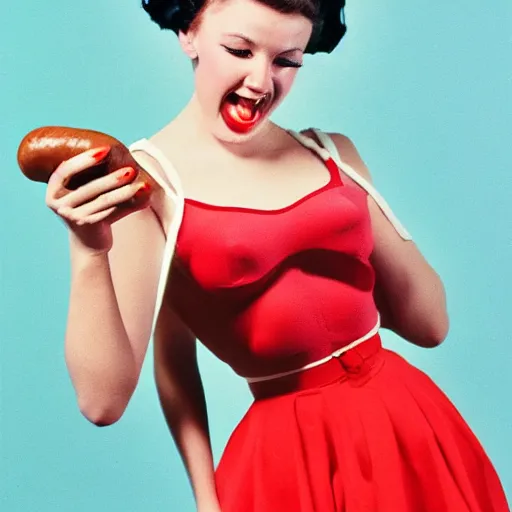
column 330, row 146
column 311, row 144
column 173, row 190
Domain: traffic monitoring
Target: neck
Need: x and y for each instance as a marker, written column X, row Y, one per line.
column 263, row 140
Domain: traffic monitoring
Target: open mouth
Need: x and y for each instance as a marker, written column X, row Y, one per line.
column 242, row 114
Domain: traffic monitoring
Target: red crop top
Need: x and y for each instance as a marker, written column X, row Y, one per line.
column 269, row 291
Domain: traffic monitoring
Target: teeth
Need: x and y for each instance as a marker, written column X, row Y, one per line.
column 256, row 101
column 247, row 109
column 260, row 101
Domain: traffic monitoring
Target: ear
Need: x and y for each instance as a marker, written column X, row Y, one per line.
column 187, row 44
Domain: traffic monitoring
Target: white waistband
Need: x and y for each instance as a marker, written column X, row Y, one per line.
column 335, row 354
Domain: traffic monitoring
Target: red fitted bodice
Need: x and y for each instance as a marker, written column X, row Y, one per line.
column 270, row 291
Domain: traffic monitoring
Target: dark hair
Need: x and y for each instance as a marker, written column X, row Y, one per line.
column 327, row 17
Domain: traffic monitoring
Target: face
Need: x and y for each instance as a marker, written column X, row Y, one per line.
column 248, row 56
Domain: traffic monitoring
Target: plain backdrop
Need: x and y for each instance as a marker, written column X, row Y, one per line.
column 424, row 91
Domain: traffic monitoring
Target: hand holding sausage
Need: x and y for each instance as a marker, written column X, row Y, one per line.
column 93, row 180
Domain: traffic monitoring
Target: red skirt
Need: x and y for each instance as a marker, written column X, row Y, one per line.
column 367, row 432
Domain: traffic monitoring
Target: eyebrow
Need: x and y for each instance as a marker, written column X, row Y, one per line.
column 252, row 43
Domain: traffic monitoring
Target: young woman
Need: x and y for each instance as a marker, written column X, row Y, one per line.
column 273, row 248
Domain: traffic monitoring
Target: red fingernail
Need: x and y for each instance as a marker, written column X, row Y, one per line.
column 101, row 153
column 130, row 171
column 142, row 189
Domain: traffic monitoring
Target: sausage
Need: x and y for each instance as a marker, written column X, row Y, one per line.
column 42, row 150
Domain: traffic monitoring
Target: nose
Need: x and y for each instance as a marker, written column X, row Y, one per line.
column 260, row 77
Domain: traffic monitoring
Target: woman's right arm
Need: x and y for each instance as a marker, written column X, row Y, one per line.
column 115, row 266
column 111, row 307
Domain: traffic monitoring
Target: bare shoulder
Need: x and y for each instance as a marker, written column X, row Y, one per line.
column 385, row 225
column 349, row 154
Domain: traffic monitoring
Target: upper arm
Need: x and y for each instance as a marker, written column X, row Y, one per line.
column 395, row 259
column 384, row 232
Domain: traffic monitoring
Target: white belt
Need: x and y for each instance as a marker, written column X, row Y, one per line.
column 335, row 354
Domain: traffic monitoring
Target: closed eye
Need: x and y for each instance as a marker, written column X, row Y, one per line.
column 280, row 61
column 243, row 54
column 287, row 63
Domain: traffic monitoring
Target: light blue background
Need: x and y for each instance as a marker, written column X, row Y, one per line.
column 424, row 90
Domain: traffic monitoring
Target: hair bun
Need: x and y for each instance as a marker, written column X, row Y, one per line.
column 173, row 15
column 330, row 27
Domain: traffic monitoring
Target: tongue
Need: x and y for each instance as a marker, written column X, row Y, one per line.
column 240, row 114
column 245, row 109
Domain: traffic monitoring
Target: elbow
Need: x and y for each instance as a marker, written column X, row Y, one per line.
column 427, row 329
column 436, row 322
column 101, row 414
column 436, row 333
column 103, row 397
column 105, row 409
column 435, row 338
column 440, row 323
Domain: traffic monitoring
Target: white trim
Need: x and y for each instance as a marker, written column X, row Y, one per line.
column 330, row 146
column 309, row 143
column 336, row 354
column 178, row 200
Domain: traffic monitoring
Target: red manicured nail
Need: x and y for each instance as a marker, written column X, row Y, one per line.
column 130, row 171
column 101, row 153
column 142, row 189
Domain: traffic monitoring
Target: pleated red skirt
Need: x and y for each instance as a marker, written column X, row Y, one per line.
column 367, row 432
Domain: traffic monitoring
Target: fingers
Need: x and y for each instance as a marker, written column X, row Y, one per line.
column 68, row 168
column 101, row 207
column 97, row 217
column 96, row 201
column 97, row 187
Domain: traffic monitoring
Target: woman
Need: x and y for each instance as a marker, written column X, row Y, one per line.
column 285, row 262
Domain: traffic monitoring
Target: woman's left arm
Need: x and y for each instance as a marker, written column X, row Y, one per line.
column 408, row 292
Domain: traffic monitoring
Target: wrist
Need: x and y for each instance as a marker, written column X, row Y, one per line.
column 213, row 506
column 86, row 250
column 206, row 496
column 83, row 258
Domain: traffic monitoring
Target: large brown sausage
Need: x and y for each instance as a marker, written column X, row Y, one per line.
column 42, row 150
